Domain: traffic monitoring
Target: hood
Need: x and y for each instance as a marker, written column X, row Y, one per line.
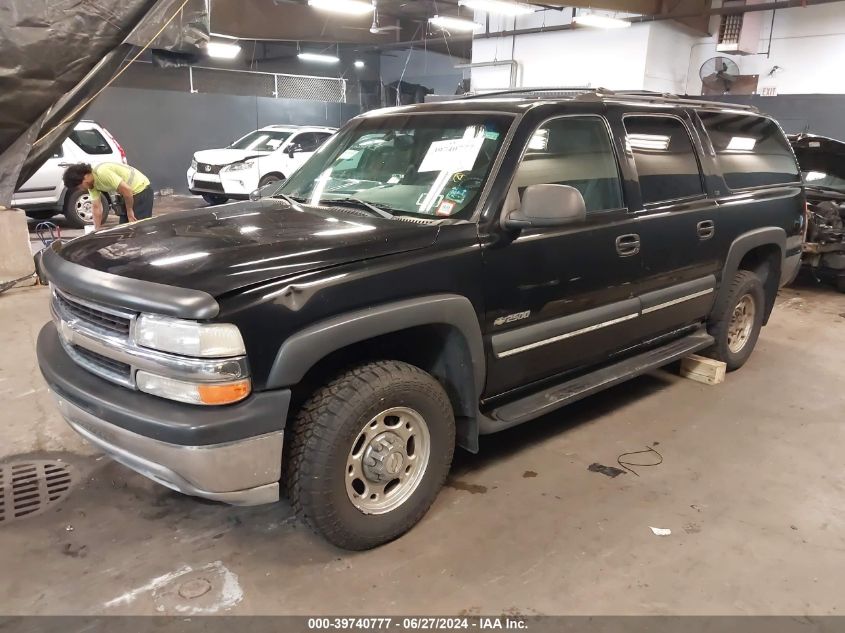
column 225, row 156
column 224, row 248
column 821, row 159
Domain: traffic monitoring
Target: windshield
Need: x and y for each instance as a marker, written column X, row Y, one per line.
column 420, row 164
column 815, row 178
column 261, row 141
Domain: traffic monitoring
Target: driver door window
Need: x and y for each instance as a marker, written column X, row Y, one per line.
column 574, row 151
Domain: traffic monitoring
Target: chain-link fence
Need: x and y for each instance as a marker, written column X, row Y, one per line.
column 260, row 84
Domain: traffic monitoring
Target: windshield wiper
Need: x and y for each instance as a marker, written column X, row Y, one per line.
column 383, row 213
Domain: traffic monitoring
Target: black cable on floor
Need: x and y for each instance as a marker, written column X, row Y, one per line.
column 626, row 465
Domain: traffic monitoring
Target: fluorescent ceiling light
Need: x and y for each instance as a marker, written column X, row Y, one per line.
column 359, row 63
column 318, row 57
column 222, row 50
column 649, row 141
column 600, row 21
column 741, row 143
column 498, row 7
column 448, row 23
column 349, row 7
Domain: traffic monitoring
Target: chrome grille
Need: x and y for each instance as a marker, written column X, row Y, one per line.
column 105, row 363
column 100, row 339
column 98, row 317
column 207, row 168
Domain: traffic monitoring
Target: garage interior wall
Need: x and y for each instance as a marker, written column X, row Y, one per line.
column 161, row 129
column 427, row 68
column 806, row 43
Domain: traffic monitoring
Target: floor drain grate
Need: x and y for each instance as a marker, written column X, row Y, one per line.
column 29, row 488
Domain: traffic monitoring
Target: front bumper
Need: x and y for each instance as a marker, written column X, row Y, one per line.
column 231, row 453
column 236, row 185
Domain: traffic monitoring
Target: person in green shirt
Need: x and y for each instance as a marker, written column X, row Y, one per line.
column 112, row 178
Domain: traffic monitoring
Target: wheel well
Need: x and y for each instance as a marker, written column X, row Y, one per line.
column 439, row 349
column 278, row 174
column 765, row 262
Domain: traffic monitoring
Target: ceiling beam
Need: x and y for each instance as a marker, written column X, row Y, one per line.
column 293, row 22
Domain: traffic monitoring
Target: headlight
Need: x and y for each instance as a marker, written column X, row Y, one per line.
column 188, row 338
column 215, row 393
column 194, row 164
column 246, row 164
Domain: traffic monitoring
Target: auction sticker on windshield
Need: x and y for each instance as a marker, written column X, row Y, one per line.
column 456, row 154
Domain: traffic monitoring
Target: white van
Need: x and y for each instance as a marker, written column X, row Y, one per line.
column 266, row 155
column 44, row 194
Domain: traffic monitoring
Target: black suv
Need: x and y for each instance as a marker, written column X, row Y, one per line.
column 433, row 273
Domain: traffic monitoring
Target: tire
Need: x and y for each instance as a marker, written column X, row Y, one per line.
column 269, row 178
column 40, row 215
column 332, row 433
column 840, row 283
column 736, row 321
column 78, row 211
column 213, row 199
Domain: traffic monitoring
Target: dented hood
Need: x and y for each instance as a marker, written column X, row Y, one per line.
column 224, row 248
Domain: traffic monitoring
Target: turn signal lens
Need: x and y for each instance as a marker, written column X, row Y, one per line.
column 225, row 393
column 214, row 393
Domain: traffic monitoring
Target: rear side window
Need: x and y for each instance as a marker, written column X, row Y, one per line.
column 91, row 141
column 665, row 159
column 574, row 151
column 751, row 151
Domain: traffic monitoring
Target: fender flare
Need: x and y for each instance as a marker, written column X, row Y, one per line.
column 740, row 247
column 304, row 349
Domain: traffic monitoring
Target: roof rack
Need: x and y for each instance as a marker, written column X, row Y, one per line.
column 668, row 97
column 535, row 92
column 580, row 93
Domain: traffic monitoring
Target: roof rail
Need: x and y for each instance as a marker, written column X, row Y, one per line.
column 581, row 93
column 565, row 91
column 668, row 97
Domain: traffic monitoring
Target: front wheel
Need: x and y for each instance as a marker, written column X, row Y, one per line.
column 269, row 179
column 737, row 320
column 213, row 199
column 369, row 452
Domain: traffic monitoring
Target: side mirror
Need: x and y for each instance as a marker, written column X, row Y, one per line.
column 544, row 206
column 293, row 149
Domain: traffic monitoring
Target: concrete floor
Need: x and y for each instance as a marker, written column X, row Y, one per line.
column 751, row 486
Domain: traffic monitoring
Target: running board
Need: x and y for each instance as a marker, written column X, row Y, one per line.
column 553, row 398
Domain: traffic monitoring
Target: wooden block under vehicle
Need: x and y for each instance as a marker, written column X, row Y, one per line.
column 701, row 369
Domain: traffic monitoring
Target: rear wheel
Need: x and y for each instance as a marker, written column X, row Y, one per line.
column 369, row 452
column 737, row 320
column 79, row 210
column 213, row 199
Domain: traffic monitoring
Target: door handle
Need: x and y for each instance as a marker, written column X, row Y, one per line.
column 628, row 244
column 64, row 164
column 706, row 229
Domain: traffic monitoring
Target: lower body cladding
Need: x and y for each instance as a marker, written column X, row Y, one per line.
column 230, row 453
